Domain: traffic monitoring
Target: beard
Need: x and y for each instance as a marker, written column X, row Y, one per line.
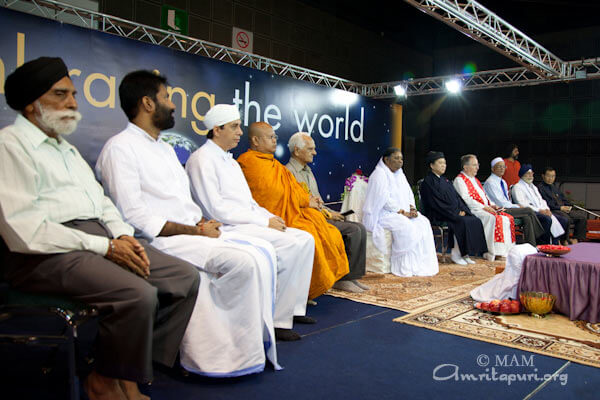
column 528, row 180
column 59, row 122
column 163, row 117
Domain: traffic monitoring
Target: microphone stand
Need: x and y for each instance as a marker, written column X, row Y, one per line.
column 587, row 211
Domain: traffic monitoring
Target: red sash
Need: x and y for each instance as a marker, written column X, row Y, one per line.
column 474, row 194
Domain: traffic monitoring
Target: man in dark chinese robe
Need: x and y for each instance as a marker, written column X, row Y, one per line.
column 441, row 203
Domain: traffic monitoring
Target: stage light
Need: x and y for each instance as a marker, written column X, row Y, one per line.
column 343, row 97
column 400, row 90
column 453, row 86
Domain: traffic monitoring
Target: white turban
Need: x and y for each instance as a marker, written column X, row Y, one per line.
column 221, row 114
column 496, row 161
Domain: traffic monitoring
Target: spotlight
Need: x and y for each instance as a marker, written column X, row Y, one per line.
column 453, row 86
column 400, row 90
column 343, row 97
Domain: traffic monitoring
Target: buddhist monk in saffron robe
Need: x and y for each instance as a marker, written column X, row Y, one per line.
column 274, row 187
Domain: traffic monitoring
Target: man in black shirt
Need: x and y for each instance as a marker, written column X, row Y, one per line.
column 559, row 205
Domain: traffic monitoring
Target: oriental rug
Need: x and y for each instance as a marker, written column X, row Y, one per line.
column 414, row 293
column 554, row 336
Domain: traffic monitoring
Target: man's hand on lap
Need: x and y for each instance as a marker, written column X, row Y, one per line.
column 125, row 252
column 277, row 223
column 209, row 228
column 336, row 216
column 489, row 209
column 314, row 203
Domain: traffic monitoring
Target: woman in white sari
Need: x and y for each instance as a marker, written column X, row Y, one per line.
column 390, row 205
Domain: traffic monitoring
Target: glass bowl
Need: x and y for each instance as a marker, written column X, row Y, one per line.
column 537, row 303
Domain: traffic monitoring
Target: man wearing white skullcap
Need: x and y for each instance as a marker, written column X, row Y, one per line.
column 231, row 329
column 218, row 116
column 535, row 230
column 220, row 188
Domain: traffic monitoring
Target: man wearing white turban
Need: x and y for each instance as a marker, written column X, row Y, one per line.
column 390, row 205
column 220, row 189
column 497, row 191
column 231, row 330
column 527, row 194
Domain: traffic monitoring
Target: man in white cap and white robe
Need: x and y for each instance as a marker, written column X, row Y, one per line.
column 220, row 188
column 231, row 328
column 497, row 191
column 499, row 227
column 525, row 193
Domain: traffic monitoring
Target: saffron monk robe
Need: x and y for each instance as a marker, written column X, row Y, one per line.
column 274, row 187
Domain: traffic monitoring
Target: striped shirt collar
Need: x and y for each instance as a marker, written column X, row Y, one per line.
column 36, row 136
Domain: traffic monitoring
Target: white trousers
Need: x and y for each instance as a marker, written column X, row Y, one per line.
column 231, row 327
column 295, row 251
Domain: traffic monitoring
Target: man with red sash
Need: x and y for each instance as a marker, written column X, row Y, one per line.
column 499, row 227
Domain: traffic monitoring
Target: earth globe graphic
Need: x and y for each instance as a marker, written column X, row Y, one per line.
column 183, row 146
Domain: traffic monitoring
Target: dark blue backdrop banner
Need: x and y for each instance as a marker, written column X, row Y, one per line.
column 349, row 130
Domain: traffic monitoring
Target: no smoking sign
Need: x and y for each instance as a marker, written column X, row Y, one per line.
column 242, row 40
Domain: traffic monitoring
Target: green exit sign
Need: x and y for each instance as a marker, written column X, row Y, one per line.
column 174, row 20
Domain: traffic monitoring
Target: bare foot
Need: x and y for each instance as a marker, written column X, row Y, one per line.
column 100, row 387
column 132, row 391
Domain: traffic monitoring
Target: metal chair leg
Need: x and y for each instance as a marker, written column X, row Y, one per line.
column 73, row 381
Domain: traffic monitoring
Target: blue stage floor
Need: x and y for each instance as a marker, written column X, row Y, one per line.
column 355, row 351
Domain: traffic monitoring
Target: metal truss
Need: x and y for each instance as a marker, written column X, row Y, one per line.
column 482, row 25
column 520, row 76
column 144, row 33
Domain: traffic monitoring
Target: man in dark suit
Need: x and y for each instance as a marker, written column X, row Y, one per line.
column 560, row 205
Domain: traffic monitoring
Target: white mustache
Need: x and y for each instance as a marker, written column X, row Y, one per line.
column 57, row 115
column 62, row 122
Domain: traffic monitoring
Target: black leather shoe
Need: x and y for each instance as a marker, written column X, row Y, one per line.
column 304, row 320
column 286, row 335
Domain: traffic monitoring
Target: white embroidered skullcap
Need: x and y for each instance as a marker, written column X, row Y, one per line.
column 221, row 114
column 496, row 161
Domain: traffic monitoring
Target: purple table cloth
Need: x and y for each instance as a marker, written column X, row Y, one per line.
column 573, row 278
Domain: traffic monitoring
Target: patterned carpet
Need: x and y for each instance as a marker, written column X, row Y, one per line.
column 411, row 294
column 554, row 336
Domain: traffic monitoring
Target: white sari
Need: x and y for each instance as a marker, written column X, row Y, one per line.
column 413, row 247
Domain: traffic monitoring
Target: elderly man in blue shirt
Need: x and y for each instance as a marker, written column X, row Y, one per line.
column 536, row 228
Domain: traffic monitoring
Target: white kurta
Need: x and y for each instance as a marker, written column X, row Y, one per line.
column 413, row 247
column 220, row 188
column 504, row 285
column 488, row 220
column 528, row 195
column 231, row 327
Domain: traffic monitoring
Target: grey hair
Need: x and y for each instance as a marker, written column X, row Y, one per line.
column 297, row 142
column 464, row 160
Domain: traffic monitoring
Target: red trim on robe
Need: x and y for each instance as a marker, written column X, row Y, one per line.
column 498, row 228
